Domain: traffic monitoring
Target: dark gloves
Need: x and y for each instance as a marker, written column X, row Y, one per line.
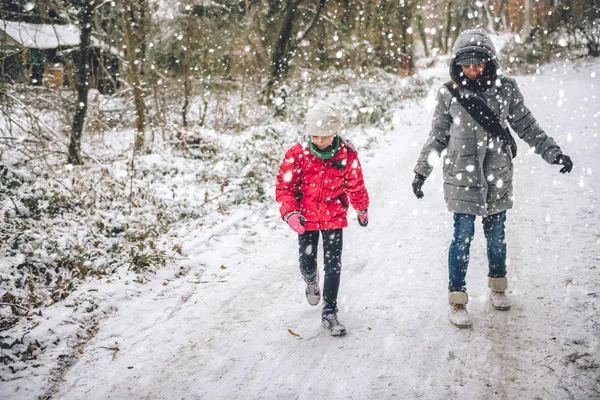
column 417, row 184
column 565, row 161
column 363, row 217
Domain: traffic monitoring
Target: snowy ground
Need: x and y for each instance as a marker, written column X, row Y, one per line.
column 236, row 324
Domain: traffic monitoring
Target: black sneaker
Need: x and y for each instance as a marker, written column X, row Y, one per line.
column 313, row 293
column 330, row 322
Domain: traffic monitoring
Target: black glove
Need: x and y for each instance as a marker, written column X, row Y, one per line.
column 417, row 184
column 363, row 218
column 565, row 161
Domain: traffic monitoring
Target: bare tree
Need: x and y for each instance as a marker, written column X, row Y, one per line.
column 186, row 69
column 86, row 14
column 134, row 71
column 583, row 17
column 284, row 46
column 526, row 19
column 422, row 36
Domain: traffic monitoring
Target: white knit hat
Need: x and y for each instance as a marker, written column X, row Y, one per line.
column 323, row 119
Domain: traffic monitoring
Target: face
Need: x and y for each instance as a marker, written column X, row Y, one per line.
column 322, row 141
column 472, row 71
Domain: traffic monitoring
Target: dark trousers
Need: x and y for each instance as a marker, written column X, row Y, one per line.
column 308, row 243
column 459, row 253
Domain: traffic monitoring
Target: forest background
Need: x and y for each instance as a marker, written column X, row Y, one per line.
column 213, row 86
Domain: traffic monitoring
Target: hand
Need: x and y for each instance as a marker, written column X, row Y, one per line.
column 417, row 184
column 296, row 222
column 565, row 161
column 363, row 218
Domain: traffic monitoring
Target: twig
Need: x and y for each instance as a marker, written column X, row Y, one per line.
column 66, row 321
column 12, row 54
column 16, row 207
column 32, row 116
column 15, row 305
column 216, row 197
column 115, row 349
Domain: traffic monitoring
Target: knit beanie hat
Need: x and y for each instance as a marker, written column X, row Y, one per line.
column 323, row 119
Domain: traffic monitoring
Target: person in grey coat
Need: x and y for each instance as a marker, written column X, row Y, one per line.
column 477, row 167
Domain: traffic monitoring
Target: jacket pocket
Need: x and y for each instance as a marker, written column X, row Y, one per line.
column 342, row 200
column 463, row 164
column 449, row 160
column 464, row 171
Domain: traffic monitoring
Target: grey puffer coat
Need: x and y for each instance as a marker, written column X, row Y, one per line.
column 477, row 169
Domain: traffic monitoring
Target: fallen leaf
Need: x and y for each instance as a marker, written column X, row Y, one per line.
column 293, row 333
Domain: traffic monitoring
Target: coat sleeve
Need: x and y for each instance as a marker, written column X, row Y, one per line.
column 439, row 134
column 288, row 183
column 355, row 185
column 523, row 122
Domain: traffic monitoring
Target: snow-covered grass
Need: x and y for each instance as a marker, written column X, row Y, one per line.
column 112, row 218
column 216, row 321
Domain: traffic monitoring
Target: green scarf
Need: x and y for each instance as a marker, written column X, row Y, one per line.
column 328, row 152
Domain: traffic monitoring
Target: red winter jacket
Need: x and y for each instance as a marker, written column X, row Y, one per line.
column 320, row 189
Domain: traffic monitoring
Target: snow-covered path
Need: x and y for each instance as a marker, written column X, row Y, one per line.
column 222, row 331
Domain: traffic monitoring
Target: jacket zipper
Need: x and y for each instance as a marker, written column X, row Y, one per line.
column 325, row 165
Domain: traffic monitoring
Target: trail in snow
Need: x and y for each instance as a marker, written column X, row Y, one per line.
column 222, row 330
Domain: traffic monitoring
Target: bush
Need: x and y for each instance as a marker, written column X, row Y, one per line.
column 56, row 234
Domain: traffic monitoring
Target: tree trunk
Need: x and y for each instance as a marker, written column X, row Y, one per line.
column 186, row 72
column 346, row 15
column 527, row 18
column 448, row 27
column 502, row 15
column 134, row 80
column 284, row 48
column 490, row 19
column 422, row 34
column 74, row 156
column 142, row 26
column 280, row 59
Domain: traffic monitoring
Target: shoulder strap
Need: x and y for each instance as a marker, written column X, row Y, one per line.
column 348, row 143
column 477, row 108
column 484, row 116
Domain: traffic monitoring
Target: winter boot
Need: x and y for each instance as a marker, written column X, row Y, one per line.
column 330, row 322
column 313, row 292
column 458, row 309
column 498, row 288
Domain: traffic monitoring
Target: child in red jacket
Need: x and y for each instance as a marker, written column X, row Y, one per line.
column 316, row 182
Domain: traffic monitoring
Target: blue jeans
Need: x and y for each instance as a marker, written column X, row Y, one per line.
column 458, row 255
